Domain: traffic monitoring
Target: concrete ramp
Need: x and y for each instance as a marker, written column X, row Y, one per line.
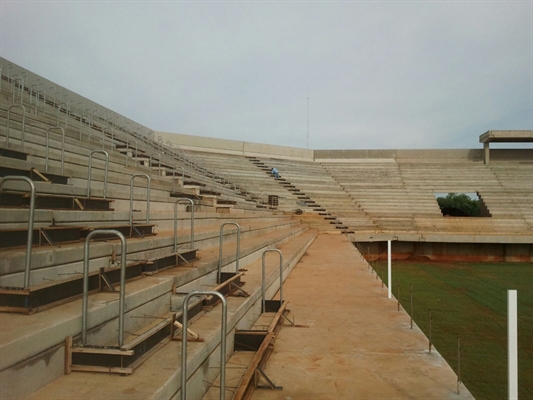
column 357, row 345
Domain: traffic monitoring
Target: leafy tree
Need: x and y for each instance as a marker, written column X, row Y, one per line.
column 459, row 205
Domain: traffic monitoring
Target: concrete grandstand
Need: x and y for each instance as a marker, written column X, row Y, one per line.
column 169, row 214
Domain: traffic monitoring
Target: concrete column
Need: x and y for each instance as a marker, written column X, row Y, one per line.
column 512, row 341
column 486, row 155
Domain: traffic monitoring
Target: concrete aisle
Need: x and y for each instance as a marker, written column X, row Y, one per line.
column 357, row 345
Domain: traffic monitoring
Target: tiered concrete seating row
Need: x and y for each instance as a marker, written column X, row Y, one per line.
column 33, row 346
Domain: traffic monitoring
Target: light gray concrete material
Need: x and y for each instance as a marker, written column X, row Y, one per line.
column 158, row 377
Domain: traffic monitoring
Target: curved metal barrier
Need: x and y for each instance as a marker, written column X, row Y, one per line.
column 105, row 172
column 174, row 176
column 62, row 146
column 263, row 285
column 147, row 196
column 122, row 299
column 222, row 341
column 150, row 166
column 127, row 149
column 176, row 223
column 30, row 222
column 23, row 124
column 220, row 248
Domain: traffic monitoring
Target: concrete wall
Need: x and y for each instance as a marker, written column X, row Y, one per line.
column 413, row 155
column 213, row 145
column 448, row 252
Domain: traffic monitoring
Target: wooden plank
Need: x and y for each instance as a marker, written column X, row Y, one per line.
column 78, row 202
column 250, row 372
column 68, row 355
column 277, row 317
column 94, row 350
column 92, row 368
column 44, row 178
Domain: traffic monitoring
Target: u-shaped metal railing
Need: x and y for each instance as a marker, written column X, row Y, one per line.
column 59, row 111
column 105, row 171
column 148, row 179
column 263, row 279
column 90, row 124
column 108, row 128
column 151, row 155
column 223, row 331
column 29, row 241
column 176, row 222
column 128, row 148
column 122, row 299
column 23, row 124
column 174, row 176
column 220, row 248
column 62, row 147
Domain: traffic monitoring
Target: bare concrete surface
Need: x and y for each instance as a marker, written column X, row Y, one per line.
column 357, row 345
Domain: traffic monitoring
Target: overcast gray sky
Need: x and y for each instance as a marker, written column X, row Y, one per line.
column 389, row 74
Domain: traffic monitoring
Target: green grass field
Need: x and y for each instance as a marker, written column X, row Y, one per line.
column 470, row 300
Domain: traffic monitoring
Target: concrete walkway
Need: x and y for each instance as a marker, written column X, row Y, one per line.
column 357, row 345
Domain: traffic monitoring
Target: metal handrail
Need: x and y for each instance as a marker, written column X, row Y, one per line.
column 174, row 176
column 147, row 197
column 136, row 150
column 62, row 146
column 39, row 92
column 23, row 124
column 223, row 331
column 280, row 277
column 105, row 172
column 122, row 298
column 176, row 223
column 90, row 124
column 220, row 248
column 112, row 137
column 59, row 110
column 29, row 241
column 21, row 87
column 150, row 166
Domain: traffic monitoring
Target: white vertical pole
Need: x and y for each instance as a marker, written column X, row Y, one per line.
column 389, row 268
column 512, row 341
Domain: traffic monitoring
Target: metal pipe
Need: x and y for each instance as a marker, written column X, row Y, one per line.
column 174, row 177
column 59, row 110
column 29, row 240
column 39, row 100
column 148, row 183
column 176, row 223
column 128, row 147
column 81, row 122
column 220, row 248
column 122, row 298
column 263, row 285
column 105, row 172
column 23, row 124
column 223, row 331
column 154, row 154
column 112, row 137
column 62, row 147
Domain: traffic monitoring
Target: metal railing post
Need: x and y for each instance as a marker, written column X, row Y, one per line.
column 105, row 172
column 220, row 248
column 112, row 137
column 23, row 124
column 223, row 331
column 176, row 223
column 263, row 279
column 29, row 241
column 174, row 176
column 148, row 183
column 155, row 154
column 127, row 149
column 62, row 146
column 122, row 299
